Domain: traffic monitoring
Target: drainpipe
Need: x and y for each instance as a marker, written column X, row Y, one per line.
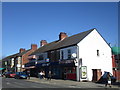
column 77, row 68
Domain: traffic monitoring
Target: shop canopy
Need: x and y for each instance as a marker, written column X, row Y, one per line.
column 116, row 50
column 2, row 68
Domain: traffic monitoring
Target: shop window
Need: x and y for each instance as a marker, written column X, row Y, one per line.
column 69, row 54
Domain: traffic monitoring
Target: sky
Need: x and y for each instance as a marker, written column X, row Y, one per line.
column 26, row 23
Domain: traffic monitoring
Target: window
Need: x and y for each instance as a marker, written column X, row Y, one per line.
column 58, row 55
column 69, row 54
column 98, row 54
column 41, row 57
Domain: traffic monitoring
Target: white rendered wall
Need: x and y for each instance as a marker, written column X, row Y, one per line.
column 88, row 52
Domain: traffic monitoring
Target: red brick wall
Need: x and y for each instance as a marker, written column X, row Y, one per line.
column 116, row 73
column 25, row 57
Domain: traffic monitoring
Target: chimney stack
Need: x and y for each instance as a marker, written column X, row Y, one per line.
column 43, row 42
column 21, row 50
column 62, row 35
column 33, row 46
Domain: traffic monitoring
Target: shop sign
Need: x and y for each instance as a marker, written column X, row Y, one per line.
column 41, row 61
column 84, row 72
column 46, row 64
column 66, row 61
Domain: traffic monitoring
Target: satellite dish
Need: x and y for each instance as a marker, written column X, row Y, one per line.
column 74, row 55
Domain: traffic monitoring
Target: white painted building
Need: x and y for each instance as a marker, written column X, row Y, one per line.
column 94, row 53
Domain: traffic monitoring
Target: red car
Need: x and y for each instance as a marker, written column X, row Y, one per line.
column 10, row 75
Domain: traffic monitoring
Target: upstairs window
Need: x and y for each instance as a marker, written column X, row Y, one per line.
column 98, row 53
column 69, row 54
column 58, row 54
column 62, row 55
column 41, row 57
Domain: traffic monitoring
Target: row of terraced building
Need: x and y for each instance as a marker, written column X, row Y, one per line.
column 83, row 57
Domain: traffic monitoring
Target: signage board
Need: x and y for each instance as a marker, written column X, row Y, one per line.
column 76, row 62
column 84, row 72
column 47, row 59
column 18, row 65
column 74, row 55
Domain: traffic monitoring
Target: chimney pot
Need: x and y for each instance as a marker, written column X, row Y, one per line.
column 43, row 42
column 33, row 46
column 21, row 50
column 62, row 35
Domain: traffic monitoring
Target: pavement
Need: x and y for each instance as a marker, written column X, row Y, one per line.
column 69, row 83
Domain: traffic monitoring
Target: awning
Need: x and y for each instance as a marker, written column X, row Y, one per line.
column 116, row 50
column 2, row 68
column 29, row 67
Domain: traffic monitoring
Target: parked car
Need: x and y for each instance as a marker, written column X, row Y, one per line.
column 9, row 74
column 21, row 75
column 104, row 78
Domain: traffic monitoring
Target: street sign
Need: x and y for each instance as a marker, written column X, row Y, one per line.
column 76, row 62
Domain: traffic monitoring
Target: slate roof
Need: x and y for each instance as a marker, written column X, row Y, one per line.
column 69, row 41
column 8, row 57
column 14, row 55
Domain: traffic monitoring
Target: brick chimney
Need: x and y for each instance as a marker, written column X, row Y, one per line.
column 33, row 46
column 43, row 42
column 62, row 35
column 21, row 50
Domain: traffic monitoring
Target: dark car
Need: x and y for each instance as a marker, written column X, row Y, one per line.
column 9, row 74
column 103, row 79
column 21, row 75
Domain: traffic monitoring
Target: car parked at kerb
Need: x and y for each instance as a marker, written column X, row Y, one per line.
column 21, row 75
column 9, row 74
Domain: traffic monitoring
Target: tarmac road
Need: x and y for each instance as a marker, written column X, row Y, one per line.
column 37, row 83
column 22, row 83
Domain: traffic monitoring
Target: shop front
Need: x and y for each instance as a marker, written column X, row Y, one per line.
column 68, row 69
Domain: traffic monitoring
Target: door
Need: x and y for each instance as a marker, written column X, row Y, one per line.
column 96, row 74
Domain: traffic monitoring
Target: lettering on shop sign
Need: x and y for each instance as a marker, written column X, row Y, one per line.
column 66, row 61
column 46, row 64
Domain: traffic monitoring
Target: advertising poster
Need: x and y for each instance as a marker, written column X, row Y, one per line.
column 84, row 72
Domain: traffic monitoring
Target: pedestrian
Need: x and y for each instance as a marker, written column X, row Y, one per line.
column 28, row 73
column 108, row 80
column 40, row 75
column 43, row 74
column 49, row 75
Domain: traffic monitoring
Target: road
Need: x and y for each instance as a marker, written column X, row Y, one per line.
column 22, row 83
column 37, row 83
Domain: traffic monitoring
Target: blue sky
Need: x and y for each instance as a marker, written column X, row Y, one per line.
column 27, row 23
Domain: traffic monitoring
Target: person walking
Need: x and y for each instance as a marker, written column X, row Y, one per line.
column 40, row 75
column 28, row 73
column 108, row 80
column 43, row 74
column 49, row 75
